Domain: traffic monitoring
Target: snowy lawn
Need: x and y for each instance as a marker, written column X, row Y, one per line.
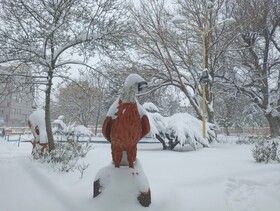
column 223, row 177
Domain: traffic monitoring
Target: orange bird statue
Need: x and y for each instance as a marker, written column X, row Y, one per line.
column 126, row 123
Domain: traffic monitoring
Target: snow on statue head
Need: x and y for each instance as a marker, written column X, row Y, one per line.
column 133, row 83
column 36, row 123
column 126, row 122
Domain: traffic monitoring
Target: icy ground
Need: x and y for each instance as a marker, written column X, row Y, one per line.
column 221, row 178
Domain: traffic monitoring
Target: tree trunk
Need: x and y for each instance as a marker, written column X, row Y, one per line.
column 47, row 112
column 274, row 125
column 161, row 141
column 227, row 130
column 211, row 116
column 97, row 119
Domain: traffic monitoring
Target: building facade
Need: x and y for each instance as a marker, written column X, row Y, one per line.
column 16, row 96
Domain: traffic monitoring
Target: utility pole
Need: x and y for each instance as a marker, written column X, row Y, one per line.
column 204, row 76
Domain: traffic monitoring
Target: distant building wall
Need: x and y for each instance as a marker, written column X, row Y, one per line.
column 15, row 105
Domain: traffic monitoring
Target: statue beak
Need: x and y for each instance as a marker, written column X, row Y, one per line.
column 142, row 85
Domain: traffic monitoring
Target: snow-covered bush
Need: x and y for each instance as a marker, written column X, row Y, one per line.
column 38, row 153
column 71, row 131
column 82, row 131
column 266, row 150
column 65, row 156
column 180, row 128
column 150, row 107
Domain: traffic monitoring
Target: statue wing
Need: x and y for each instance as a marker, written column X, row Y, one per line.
column 106, row 128
column 145, row 125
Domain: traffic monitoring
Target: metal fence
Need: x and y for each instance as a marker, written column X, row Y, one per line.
column 264, row 131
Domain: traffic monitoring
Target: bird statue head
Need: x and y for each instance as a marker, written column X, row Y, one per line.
column 133, row 84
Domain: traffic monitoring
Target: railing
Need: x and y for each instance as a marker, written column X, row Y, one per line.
column 246, row 130
column 17, row 130
column 92, row 139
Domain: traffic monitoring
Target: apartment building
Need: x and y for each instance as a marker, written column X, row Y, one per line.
column 16, row 96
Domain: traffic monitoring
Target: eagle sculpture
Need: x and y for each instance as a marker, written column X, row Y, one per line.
column 36, row 123
column 126, row 122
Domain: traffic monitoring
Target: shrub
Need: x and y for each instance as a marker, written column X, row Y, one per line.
column 266, row 150
column 65, row 156
column 251, row 139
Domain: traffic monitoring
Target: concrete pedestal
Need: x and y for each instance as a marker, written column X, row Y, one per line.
column 123, row 183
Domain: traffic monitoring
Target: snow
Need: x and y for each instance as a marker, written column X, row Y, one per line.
column 132, row 79
column 37, row 118
column 222, row 177
column 191, row 130
column 128, row 95
column 141, row 110
column 113, row 109
column 82, row 130
column 112, row 179
column 157, row 124
column 186, row 127
column 58, row 125
column 150, row 107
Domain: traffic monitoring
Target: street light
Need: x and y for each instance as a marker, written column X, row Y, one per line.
column 205, row 76
column 204, row 80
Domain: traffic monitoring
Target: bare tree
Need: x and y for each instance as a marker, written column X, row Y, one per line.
column 100, row 84
column 76, row 101
column 173, row 53
column 83, row 101
column 48, row 34
column 234, row 110
column 210, row 24
column 256, row 55
column 170, row 54
column 15, row 79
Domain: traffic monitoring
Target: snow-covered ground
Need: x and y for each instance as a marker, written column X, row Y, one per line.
column 221, row 178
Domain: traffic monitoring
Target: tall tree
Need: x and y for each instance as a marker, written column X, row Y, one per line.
column 76, row 101
column 209, row 23
column 171, row 54
column 83, row 101
column 234, row 110
column 47, row 34
column 15, row 79
column 101, row 87
column 255, row 71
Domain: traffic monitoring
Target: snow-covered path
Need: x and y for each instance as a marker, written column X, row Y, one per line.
column 221, row 178
column 224, row 177
column 24, row 186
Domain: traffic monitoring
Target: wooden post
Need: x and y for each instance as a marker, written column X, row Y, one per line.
column 204, row 65
column 203, row 111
